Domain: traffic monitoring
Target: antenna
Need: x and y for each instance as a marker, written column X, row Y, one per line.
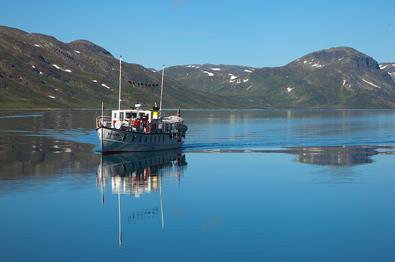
column 161, row 90
column 120, row 82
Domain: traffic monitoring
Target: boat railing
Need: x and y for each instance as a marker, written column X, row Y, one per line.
column 103, row 121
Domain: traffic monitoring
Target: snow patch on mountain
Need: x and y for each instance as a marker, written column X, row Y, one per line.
column 58, row 67
column 317, row 65
column 209, row 73
column 106, row 86
column 193, row 66
column 370, row 83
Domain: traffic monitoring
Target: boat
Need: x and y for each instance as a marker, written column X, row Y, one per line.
column 139, row 130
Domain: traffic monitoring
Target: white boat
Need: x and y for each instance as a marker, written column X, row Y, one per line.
column 138, row 130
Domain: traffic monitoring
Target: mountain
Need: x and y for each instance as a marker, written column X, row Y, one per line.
column 389, row 68
column 339, row 77
column 208, row 77
column 39, row 71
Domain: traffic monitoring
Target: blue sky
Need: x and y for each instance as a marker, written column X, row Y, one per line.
column 254, row 33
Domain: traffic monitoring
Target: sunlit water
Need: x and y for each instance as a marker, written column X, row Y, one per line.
column 246, row 186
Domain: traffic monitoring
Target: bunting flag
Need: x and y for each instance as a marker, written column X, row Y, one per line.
column 141, row 84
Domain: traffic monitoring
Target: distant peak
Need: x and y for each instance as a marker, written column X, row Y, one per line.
column 6, row 29
column 83, row 42
column 336, row 52
column 87, row 45
column 45, row 37
column 336, row 56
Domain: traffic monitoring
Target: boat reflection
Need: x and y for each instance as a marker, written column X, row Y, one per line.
column 136, row 174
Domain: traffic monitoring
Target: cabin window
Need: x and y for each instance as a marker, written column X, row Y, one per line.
column 121, row 116
column 115, row 115
column 128, row 115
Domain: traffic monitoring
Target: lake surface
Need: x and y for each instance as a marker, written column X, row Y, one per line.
column 247, row 186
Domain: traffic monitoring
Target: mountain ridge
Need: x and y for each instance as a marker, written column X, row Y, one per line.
column 340, row 77
column 38, row 70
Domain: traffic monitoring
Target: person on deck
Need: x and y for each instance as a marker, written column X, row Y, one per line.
column 136, row 123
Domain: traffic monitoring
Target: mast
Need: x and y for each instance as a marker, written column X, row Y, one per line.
column 161, row 90
column 119, row 219
column 161, row 201
column 102, row 180
column 120, row 82
column 101, row 126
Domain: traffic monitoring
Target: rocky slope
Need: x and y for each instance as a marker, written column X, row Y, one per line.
column 39, row 71
column 389, row 68
column 208, row 77
column 332, row 78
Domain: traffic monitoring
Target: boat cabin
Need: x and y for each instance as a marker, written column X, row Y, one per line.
column 136, row 117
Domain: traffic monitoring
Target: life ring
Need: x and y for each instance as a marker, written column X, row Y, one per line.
column 118, row 124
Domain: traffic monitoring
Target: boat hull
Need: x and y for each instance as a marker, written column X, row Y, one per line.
column 115, row 140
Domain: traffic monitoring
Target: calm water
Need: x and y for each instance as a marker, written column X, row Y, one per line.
column 247, row 186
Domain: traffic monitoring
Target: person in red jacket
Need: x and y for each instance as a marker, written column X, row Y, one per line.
column 136, row 123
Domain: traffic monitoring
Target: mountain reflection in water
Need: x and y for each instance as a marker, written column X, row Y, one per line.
column 335, row 156
column 321, row 155
column 26, row 157
column 136, row 174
